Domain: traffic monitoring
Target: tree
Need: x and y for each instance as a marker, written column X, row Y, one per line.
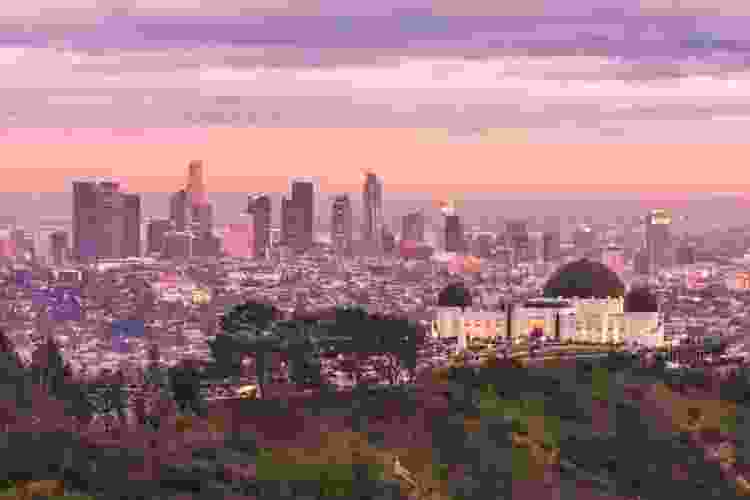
column 17, row 385
column 300, row 343
column 185, row 383
column 110, row 396
column 248, row 317
column 395, row 342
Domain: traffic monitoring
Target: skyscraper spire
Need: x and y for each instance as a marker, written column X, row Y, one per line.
column 195, row 187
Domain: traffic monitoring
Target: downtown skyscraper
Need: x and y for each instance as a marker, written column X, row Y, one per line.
column 106, row 221
column 341, row 225
column 454, row 234
column 372, row 205
column 259, row 209
column 658, row 240
column 412, row 227
column 298, row 216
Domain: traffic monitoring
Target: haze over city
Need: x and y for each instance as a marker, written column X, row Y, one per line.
column 391, row 249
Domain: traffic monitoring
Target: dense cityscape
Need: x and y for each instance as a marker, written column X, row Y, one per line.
column 379, row 250
column 111, row 311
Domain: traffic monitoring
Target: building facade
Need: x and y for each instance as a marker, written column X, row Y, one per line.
column 156, row 235
column 58, row 244
column 567, row 320
column 412, row 227
column 658, row 240
column 303, row 199
column 132, row 235
column 613, row 257
column 372, row 205
column 550, row 246
column 517, row 240
column 103, row 217
column 180, row 212
column 259, row 208
column 454, row 234
column 341, row 225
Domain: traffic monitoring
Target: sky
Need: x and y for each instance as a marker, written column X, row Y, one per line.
column 438, row 96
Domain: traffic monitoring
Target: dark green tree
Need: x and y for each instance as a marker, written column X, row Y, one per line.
column 184, row 381
column 248, row 317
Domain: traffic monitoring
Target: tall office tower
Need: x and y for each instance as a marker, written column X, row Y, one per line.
column 23, row 242
column 294, row 226
column 412, row 227
column 196, row 189
column 613, row 256
column 550, row 246
column 483, row 245
column 517, row 239
column 584, row 241
column 285, row 204
column 388, row 239
column 259, row 208
column 454, row 234
column 341, row 225
column 303, row 199
column 685, row 255
column 238, row 240
column 85, row 221
column 202, row 219
column 641, row 262
column 178, row 245
column 372, row 204
column 58, row 244
column 658, row 240
column 536, row 246
column 112, row 224
column 7, row 246
column 180, row 211
column 157, row 233
column 132, row 243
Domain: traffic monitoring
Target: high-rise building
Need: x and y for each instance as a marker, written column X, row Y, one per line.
column 180, row 211
column 372, row 204
column 341, row 225
column 157, row 231
column 613, row 256
column 584, row 241
column 295, row 228
column 23, row 243
column 112, row 223
column 388, row 239
column 517, row 239
column 132, row 237
column 454, row 234
column 658, row 240
column 641, row 262
column 178, row 245
column 412, row 227
column 259, row 209
column 202, row 219
column 303, row 199
column 285, row 204
column 550, row 246
column 238, row 240
column 196, row 189
column 685, row 255
column 483, row 245
column 58, row 244
column 85, row 220
column 106, row 221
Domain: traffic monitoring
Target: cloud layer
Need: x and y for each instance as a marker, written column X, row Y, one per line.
column 611, row 77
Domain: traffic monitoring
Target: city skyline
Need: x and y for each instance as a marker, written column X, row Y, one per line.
column 624, row 95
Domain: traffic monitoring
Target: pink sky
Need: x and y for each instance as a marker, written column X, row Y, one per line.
column 254, row 159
